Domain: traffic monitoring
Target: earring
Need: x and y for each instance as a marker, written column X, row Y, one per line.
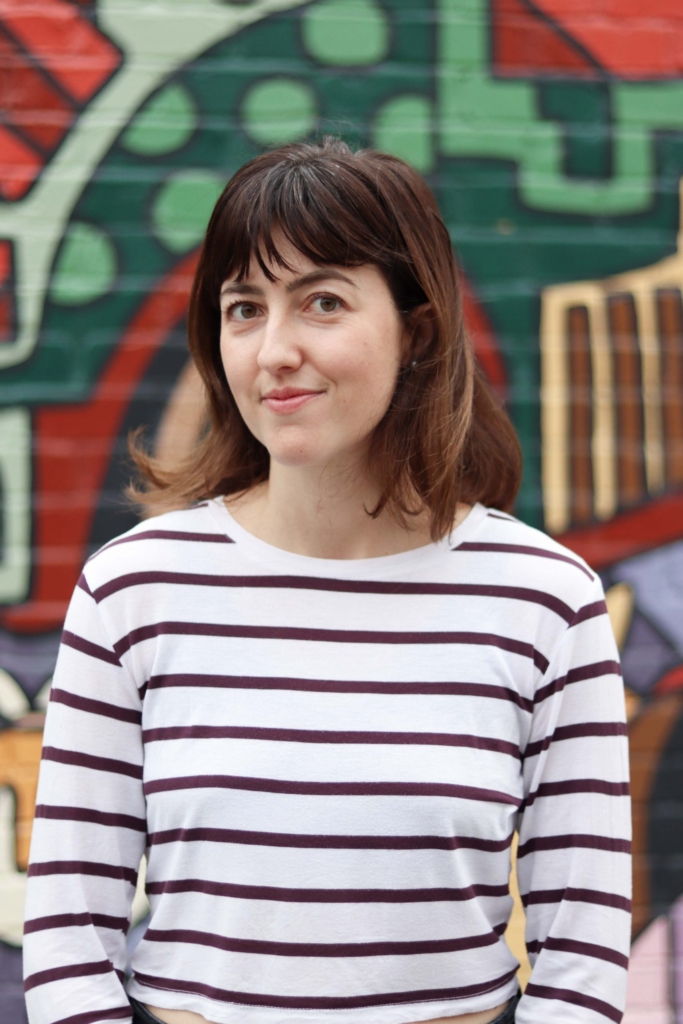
column 413, row 364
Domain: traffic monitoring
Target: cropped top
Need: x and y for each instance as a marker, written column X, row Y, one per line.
column 324, row 763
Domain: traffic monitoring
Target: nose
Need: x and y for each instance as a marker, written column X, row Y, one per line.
column 280, row 351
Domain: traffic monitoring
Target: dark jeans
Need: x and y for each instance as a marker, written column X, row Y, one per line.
column 506, row 1017
column 141, row 1014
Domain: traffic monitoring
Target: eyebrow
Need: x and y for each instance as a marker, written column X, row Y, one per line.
column 299, row 282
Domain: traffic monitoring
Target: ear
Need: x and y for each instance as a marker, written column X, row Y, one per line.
column 418, row 334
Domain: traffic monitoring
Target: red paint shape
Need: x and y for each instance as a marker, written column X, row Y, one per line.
column 483, row 338
column 72, row 450
column 654, row 10
column 29, row 101
column 5, row 263
column 526, row 44
column 673, row 680
column 20, row 165
column 7, row 311
column 628, row 38
column 63, row 40
column 6, row 318
column 659, row 522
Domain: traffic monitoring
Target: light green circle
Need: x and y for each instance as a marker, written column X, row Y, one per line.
column 182, row 208
column 165, row 123
column 403, row 127
column 346, row 32
column 279, row 110
column 85, row 267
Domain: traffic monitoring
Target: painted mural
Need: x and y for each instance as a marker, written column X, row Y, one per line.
column 552, row 133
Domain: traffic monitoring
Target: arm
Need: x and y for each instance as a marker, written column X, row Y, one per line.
column 88, row 834
column 573, row 864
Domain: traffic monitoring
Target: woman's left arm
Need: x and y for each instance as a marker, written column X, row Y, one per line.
column 574, row 864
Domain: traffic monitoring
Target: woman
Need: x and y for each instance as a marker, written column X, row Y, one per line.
column 326, row 684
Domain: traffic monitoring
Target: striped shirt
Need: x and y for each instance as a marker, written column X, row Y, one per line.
column 324, row 762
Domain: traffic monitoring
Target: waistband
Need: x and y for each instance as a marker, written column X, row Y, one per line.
column 141, row 1015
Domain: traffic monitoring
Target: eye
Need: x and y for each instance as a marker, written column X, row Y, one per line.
column 326, row 304
column 242, row 311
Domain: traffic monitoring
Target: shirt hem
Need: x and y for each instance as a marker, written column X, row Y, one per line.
column 408, row 1012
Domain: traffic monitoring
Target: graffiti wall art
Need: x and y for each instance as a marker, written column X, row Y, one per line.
column 552, row 134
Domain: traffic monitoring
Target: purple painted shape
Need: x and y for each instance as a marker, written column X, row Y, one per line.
column 657, row 579
column 11, row 988
column 646, row 655
column 29, row 659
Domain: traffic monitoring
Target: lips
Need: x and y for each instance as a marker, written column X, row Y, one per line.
column 284, row 400
column 282, row 394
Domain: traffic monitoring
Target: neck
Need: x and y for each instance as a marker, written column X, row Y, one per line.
column 322, row 514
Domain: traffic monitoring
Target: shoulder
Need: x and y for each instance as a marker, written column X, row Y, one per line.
column 506, row 550
column 167, row 541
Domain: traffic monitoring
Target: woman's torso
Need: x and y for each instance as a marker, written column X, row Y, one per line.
column 325, row 763
column 331, row 762
column 361, row 797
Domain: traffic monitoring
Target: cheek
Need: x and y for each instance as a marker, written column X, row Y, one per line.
column 240, row 375
column 376, row 370
column 226, row 355
column 237, row 366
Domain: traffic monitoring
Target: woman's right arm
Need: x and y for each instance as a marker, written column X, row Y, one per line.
column 89, row 831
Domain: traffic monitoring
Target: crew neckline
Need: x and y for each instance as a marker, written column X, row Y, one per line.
column 310, row 565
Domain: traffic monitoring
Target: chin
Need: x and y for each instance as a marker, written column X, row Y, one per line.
column 295, row 457
column 295, row 447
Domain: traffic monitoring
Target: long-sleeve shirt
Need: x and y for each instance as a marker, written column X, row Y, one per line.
column 324, row 762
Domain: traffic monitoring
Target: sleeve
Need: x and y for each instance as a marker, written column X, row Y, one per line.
column 574, row 863
column 89, row 831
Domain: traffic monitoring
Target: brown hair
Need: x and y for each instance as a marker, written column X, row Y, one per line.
column 445, row 437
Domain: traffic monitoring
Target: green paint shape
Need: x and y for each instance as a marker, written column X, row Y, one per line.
column 403, row 127
column 482, row 117
column 183, row 206
column 164, row 124
column 582, row 108
column 85, row 267
column 346, row 32
column 279, row 110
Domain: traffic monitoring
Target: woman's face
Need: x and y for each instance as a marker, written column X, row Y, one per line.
column 312, row 357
